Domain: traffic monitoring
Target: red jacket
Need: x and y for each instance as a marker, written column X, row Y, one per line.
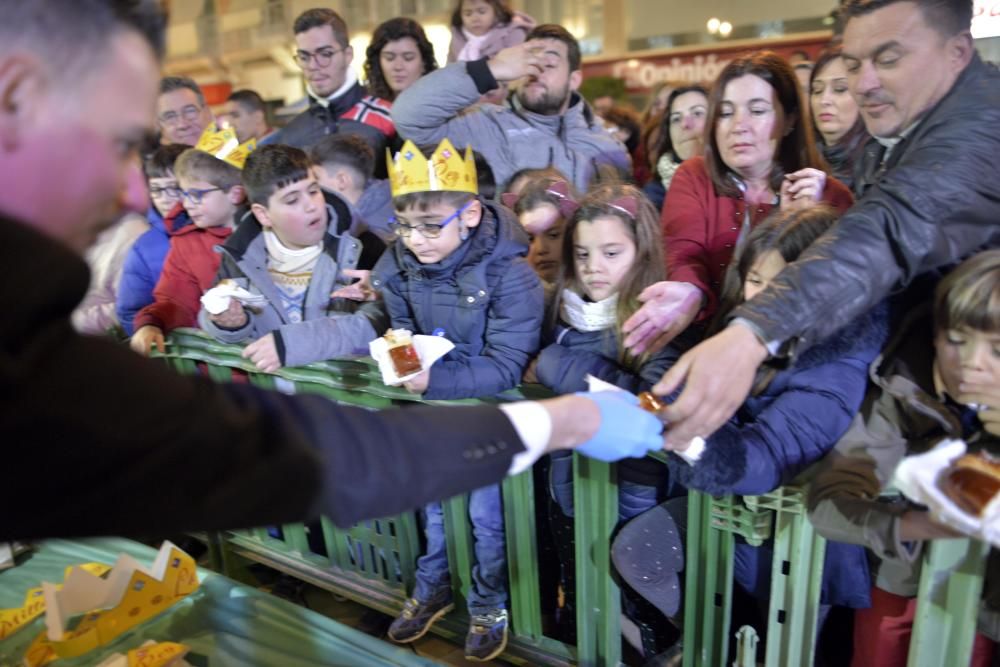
column 700, row 228
column 188, row 272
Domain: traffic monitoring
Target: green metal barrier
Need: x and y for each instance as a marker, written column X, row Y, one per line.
column 948, row 599
column 373, row 562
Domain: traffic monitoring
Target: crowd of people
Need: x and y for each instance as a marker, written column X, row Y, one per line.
column 772, row 253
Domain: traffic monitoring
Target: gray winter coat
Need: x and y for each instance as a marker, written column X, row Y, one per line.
column 509, row 137
column 244, row 260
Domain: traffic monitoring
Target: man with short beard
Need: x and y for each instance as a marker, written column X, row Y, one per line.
column 544, row 124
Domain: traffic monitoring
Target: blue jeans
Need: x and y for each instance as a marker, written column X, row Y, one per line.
column 489, row 574
column 633, row 498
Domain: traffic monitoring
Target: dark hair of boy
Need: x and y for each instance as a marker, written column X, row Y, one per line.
column 169, row 84
column 501, row 10
column 250, row 100
column 345, row 150
column 160, row 163
column 560, row 34
column 487, row 183
column 197, row 165
column 316, row 18
column 272, row 167
column 423, row 201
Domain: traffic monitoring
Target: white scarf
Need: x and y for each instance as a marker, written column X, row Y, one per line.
column 286, row 260
column 473, row 46
column 588, row 315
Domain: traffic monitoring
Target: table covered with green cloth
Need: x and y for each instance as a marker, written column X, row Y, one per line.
column 226, row 624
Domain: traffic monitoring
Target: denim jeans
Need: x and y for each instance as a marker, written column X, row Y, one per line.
column 633, row 498
column 489, row 574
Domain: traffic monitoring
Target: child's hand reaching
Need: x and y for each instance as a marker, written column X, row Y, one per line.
column 145, row 338
column 418, row 384
column 987, row 397
column 233, row 317
column 361, row 290
column 263, row 353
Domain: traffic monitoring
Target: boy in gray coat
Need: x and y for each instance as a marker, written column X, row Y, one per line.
column 292, row 247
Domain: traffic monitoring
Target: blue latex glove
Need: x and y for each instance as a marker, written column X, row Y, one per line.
column 626, row 430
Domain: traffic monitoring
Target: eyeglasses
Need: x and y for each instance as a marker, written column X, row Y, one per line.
column 428, row 231
column 321, row 56
column 189, row 113
column 195, row 196
column 171, row 191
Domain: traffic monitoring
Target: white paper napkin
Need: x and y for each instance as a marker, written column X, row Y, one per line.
column 917, row 478
column 429, row 349
column 217, row 299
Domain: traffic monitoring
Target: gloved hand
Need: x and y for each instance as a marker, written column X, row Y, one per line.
column 626, row 430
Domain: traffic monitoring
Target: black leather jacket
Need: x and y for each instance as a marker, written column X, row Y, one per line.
column 934, row 201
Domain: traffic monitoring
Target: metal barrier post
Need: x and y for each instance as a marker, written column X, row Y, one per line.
column 951, row 583
column 598, row 602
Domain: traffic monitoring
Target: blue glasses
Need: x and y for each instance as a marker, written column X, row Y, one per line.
column 195, row 196
column 428, row 231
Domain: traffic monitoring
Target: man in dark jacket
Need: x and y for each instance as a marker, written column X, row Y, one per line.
column 325, row 56
column 931, row 201
column 98, row 440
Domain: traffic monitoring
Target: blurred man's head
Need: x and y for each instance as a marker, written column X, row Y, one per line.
column 246, row 113
column 80, row 80
column 181, row 111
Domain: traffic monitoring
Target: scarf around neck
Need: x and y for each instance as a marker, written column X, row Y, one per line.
column 287, row 260
column 588, row 315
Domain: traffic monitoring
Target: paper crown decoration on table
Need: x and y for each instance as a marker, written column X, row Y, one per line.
column 224, row 145
column 12, row 620
column 129, row 595
column 150, row 654
column 446, row 171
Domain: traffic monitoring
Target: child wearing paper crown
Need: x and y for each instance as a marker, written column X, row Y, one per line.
column 456, row 269
column 293, row 250
column 938, row 379
column 211, row 193
column 459, row 266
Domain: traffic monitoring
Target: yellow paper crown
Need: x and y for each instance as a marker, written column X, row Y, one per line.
column 446, row 171
column 224, row 145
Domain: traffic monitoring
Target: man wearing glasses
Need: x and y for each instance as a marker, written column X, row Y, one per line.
column 325, row 56
column 181, row 112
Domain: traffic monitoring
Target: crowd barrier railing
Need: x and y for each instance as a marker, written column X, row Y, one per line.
column 374, row 562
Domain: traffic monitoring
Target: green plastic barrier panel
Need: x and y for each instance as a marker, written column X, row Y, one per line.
column 796, row 577
column 374, row 562
column 951, row 583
